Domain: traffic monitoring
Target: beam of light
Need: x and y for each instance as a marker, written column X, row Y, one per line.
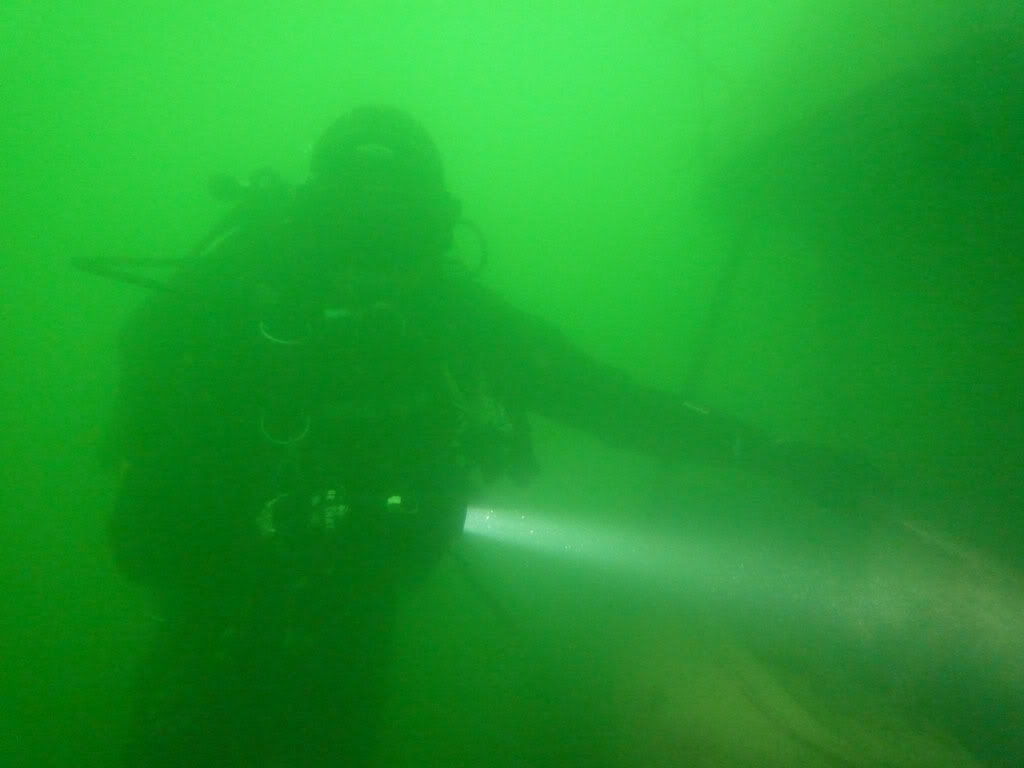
column 606, row 547
column 928, row 598
column 688, row 566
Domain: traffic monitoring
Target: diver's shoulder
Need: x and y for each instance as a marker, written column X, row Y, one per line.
column 203, row 290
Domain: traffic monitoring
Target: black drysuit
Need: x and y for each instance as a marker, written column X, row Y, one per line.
column 291, row 460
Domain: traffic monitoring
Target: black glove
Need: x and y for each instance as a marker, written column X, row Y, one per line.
column 831, row 478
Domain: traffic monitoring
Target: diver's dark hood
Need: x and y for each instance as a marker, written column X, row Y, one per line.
column 389, row 133
column 376, row 190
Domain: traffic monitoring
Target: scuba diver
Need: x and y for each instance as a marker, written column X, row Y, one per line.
column 305, row 410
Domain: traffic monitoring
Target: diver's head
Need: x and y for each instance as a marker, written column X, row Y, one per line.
column 376, row 190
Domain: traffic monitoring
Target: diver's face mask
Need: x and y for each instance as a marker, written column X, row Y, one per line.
column 373, row 212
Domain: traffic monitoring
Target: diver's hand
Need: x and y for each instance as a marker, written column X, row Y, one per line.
column 831, row 478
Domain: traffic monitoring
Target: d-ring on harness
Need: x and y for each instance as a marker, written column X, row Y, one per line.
column 306, row 420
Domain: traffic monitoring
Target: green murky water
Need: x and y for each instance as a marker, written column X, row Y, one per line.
column 807, row 216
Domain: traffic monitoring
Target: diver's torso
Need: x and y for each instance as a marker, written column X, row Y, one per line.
column 349, row 422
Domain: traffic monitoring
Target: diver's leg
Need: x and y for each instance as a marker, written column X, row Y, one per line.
column 184, row 711
column 338, row 668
